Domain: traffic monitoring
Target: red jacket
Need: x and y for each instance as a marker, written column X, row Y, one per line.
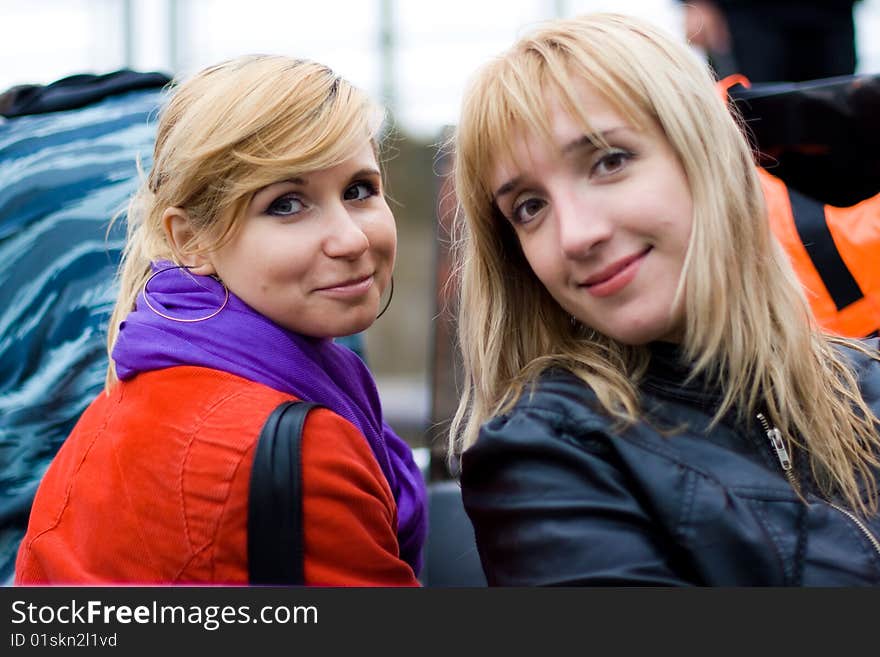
column 152, row 487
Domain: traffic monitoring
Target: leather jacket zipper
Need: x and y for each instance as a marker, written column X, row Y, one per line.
column 778, row 445
column 867, row 532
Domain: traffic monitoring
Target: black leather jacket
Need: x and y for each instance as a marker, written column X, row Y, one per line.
column 557, row 496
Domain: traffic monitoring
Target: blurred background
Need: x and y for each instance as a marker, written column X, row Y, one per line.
column 413, row 55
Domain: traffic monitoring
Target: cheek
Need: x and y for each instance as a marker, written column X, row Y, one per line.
column 382, row 235
column 539, row 255
column 672, row 208
column 282, row 263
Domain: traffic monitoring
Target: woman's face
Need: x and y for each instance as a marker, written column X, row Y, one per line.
column 314, row 253
column 606, row 231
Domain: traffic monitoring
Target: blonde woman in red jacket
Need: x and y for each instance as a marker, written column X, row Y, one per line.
column 260, row 234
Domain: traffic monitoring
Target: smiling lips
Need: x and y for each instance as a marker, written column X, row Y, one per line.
column 354, row 287
column 615, row 277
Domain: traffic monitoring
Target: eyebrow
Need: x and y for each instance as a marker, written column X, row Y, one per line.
column 584, row 142
column 293, row 181
column 361, row 173
column 366, row 171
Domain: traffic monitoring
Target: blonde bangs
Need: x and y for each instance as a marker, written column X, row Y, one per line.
column 502, row 102
column 291, row 117
column 323, row 139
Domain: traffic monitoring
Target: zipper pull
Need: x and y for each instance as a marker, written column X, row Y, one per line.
column 778, row 444
column 775, row 436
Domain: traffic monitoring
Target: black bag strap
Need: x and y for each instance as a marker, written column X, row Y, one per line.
column 275, row 530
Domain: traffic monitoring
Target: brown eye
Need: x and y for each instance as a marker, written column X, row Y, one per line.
column 611, row 162
column 528, row 210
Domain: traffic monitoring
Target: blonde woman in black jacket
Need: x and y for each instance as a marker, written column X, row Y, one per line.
column 648, row 399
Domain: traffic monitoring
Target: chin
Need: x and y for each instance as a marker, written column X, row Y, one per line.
column 638, row 336
column 332, row 329
column 354, row 325
column 634, row 340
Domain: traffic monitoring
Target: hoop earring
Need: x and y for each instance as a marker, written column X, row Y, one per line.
column 390, row 296
column 178, row 319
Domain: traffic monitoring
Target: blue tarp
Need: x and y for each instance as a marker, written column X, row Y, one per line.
column 63, row 176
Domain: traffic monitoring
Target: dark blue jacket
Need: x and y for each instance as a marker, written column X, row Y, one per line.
column 557, row 496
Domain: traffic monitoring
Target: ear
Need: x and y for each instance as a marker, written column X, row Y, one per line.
column 179, row 233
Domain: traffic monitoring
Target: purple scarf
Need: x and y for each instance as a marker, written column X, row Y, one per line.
column 240, row 341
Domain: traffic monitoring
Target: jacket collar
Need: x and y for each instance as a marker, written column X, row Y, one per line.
column 667, row 376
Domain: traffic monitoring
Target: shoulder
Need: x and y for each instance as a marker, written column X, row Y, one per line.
column 558, row 403
column 167, row 420
column 223, row 414
column 559, row 422
column 556, row 420
column 333, row 448
column 199, row 402
column 349, row 509
column 190, row 388
column 338, row 464
column 226, row 411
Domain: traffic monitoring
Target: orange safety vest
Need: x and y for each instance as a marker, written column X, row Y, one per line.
column 835, row 252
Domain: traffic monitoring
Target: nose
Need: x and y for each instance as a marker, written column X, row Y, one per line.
column 581, row 225
column 346, row 237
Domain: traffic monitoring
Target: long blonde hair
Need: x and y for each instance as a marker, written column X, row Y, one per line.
column 748, row 325
column 225, row 133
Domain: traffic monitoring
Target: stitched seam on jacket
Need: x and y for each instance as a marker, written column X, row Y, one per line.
column 225, row 508
column 141, row 533
column 774, row 539
column 687, row 503
column 800, row 554
column 98, row 433
column 765, row 494
column 195, row 553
